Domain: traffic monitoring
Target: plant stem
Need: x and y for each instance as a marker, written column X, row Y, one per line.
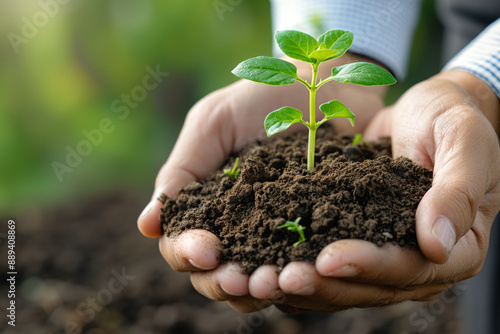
column 312, row 119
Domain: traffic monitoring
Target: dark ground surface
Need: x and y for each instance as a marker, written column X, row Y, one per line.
column 65, row 262
column 355, row 192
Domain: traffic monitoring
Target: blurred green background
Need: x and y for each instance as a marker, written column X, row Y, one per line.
column 64, row 79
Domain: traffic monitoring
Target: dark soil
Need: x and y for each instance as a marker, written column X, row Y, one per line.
column 66, row 255
column 355, row 192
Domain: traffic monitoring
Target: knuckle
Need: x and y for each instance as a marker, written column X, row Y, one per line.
column 217, row 294
column 205, row 285
column 425, row 276
column 176, row 261
column 432, row 292
column 475, row 267
column 460, row 124
column 467, row 199
column 389, row 297
column 475, row 270
column 166, row 251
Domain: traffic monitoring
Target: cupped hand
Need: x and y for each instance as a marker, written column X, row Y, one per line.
column 222, row 123
column 444, row 123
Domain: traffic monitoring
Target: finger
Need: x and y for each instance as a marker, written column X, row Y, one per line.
column 466, row 153
column 312, row 291
column 223, row 283
column 263, row 282
column 192, row 250
column 298, row 278
column 169, row 181
column 148, row 222
column 300, row 283
column 406, row 269
column 365, row 262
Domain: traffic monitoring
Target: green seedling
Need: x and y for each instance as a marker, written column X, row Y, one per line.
column 235, row 171
column 295, row 227
column 303, row 47
column 358, row 137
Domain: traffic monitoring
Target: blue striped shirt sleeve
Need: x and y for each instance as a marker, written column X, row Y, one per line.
column 383, row 29
column 481, row 57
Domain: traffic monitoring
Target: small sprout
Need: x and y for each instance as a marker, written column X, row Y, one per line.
column 295, row 227
column 235, row 171
column 358, row 137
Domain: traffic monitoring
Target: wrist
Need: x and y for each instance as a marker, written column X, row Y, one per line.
column 483, row 97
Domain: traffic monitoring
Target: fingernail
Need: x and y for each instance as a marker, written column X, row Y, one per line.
column 194, row 264
column 344, row 271
column 307, row 290
column 443, row 231
column 147, row 209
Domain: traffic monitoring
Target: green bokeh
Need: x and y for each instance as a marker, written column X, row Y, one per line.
column 64, row 79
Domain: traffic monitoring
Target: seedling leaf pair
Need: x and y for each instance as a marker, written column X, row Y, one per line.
column 295, row 227
column 304, row 47
column 281, row 119
column 235, row 171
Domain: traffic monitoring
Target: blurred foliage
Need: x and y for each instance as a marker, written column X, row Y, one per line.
column 65, row 78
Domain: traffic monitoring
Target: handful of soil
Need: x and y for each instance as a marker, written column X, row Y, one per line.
column 355, row 192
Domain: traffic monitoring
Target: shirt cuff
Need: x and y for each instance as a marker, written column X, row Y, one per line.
column 383, row 29
column 481, row 57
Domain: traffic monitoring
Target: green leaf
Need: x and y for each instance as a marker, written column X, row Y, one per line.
column 296, row 44
column 336, row 40
column 281, row 119
column 295, row 227
column 366, row 74
column 358, row 137
column 268, row 70
column 235, row 171
column 334, row 109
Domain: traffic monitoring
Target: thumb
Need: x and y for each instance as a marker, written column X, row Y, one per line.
column 464, row 155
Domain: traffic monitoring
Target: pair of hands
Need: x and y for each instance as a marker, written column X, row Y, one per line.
column 443, row 123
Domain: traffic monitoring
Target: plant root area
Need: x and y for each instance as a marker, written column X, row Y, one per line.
column 354, row 192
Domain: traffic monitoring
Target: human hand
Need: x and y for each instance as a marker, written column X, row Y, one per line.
column 224, row 122
column 444, row 123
